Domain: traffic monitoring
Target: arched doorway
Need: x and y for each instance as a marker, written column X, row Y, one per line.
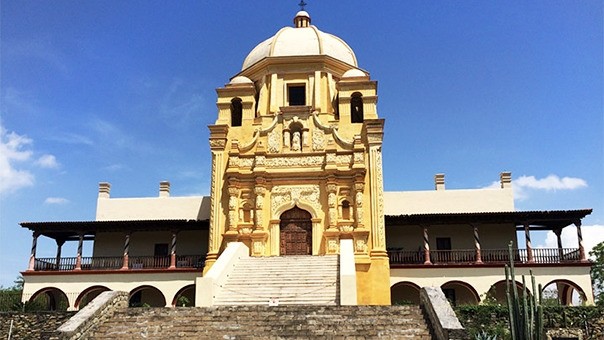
column 49, row 299
column 460, row 293
column 146, row 296
column 88, row 295
column 296, row 232
column 404, row 293
column 563, row 292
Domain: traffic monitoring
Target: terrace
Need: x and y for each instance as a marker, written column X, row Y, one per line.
column 467, row 228
column 79, row 232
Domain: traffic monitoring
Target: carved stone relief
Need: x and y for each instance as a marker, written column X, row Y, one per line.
column 258, row 247
column 343, row 159
column 318, row 140
column 284, row 194
column 260, row 160
column 332, row 246
column 360, row 245
column 274, row 145
column 233, row 161
column 294, row 161
column 359, row 157
column 245, row 162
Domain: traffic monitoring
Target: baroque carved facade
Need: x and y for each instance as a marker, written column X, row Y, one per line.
column 291, row 142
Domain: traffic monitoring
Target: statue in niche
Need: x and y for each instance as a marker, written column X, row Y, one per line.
column 296, row 143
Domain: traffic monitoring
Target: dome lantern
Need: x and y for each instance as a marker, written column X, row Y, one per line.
column 302, row 19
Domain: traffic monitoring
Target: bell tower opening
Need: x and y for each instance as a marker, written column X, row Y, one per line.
column 295, row 232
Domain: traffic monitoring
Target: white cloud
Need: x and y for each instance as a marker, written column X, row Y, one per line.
column 56, row 200
column 72, row 138
column 551, row 182
column 48, row 161
column 592, row 235
column 114, row 167
column 524, row 184
column 14, row 148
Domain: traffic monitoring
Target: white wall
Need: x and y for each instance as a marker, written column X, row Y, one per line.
column 153, row 208
column 448, row 201
column 482, row 278
column 169, row 283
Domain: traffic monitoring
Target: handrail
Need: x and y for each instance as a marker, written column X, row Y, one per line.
column 468, row 256
column 116, row 262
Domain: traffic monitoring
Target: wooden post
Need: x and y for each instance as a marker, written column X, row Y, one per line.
column 529, row 248
column 581, row 245
column 558, row 233
column 60, row 243
column 426, row 246
column 34, row 245
column 477, row 244
column 78, row 265
column 126, row 250
column 173, row 251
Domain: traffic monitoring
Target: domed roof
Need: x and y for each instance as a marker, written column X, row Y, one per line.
column 354, row 73
column 240, row 80
column 302, row 40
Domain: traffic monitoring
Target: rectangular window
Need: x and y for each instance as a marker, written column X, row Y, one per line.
column 443, row 243
column 296, row 95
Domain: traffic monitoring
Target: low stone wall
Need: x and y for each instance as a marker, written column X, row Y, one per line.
column 442, row 318
column 99, row 310
column 31, row 325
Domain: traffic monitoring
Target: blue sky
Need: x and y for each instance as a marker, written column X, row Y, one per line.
column 122, row 91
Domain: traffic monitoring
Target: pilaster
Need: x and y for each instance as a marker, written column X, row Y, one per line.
column 374, row 130
column 218, row 142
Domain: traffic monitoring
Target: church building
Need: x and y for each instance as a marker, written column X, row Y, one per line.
column 297, row 182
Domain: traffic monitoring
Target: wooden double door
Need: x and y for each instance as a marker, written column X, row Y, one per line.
column 296, row 232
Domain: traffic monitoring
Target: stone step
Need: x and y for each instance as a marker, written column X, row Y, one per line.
column 304, row 280
column 264, row 322
column 283, row 278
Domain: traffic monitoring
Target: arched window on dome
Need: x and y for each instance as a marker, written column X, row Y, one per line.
column 356, row 108
column 236, row 112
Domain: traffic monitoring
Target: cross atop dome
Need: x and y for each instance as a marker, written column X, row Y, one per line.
column 302, row 4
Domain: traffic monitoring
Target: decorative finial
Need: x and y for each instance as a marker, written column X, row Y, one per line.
column 302, row 4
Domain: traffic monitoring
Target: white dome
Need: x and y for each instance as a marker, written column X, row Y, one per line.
column 353, row 73
column 240, row 80
column 301, row 41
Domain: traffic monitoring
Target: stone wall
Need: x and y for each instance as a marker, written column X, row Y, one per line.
column 31, row 325
column 98, row 311
column 442, row 318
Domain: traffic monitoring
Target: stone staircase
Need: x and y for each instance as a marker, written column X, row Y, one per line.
column 265, row 322
column 299, row 280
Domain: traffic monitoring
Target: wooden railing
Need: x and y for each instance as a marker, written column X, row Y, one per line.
column 406, row 256
column 468, row 256
column 102, row 263
column 116, row 263
column 190, row 261
column 453, row 256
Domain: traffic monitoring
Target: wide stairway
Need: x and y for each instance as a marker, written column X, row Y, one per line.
column 264, row 322
column 286, row 280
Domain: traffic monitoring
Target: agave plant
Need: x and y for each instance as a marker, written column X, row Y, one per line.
column 484, row 336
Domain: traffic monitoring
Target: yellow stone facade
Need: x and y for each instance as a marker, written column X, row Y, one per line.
column 286, row 136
